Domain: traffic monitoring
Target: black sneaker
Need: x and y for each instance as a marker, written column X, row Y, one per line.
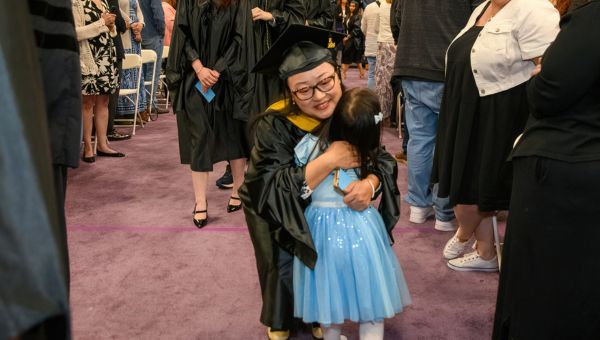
column 226, row 181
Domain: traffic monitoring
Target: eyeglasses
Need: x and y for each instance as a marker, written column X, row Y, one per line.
column 307, row 92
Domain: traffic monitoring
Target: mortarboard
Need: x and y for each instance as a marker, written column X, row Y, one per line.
column 300, row 48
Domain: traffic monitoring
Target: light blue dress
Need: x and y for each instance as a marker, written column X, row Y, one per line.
column 357, row 276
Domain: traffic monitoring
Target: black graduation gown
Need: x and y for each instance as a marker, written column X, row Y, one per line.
column 319, row 13
column 33, row 293
column 210, row 132
column 275, row 212
column 267, row 89
column 355, row 46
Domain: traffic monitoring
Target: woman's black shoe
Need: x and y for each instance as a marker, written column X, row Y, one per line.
column 231, row 208
column 91, row 159
column 201, row 223
column 109, row 154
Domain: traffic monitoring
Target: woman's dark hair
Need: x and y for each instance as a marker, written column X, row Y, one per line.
column 353, row 121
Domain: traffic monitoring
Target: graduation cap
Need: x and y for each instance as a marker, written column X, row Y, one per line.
column 300, row 48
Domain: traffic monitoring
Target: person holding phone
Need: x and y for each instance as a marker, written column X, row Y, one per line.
column 208, row 72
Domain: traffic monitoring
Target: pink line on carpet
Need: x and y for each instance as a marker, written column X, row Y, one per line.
column 230, row 229
column 155, row 229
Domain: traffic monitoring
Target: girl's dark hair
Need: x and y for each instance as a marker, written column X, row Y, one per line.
column 353, row 121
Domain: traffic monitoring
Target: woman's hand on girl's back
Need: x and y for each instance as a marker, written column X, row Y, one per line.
column 358, row 195
column 342, row 155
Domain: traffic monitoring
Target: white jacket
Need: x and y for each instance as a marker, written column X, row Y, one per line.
column 86, row 32
column 370, row 27
column 502, row 53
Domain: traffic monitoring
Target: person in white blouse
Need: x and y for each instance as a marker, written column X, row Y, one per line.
column 370, row 27
column 484, row 108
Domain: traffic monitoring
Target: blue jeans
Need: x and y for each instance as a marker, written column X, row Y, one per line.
column 155, row 44
column 371, row 77
column 422, row 108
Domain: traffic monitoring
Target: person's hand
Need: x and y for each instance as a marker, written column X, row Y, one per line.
column 536, row 70
column 358, row 195
column 137, row 37
column 259, row 14
column 342, row 155
column 537, row 61
column 207, row 77
column 109, row 20
column 137, row 27
column 127, row 25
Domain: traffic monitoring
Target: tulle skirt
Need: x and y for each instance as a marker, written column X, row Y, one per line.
column 357, row 276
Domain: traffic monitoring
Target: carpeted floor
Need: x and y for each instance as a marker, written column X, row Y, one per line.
column 141, row 270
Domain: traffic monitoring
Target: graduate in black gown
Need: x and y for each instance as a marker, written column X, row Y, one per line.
column 270, row 18
column 274, row 191
column 207, row 50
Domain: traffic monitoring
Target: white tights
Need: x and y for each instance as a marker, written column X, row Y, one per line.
column 367, row 331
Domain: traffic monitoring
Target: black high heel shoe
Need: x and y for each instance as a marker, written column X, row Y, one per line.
column 231, row 208
column 91, row 159
column 201, row 223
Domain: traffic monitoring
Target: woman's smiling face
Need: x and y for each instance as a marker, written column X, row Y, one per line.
column 324, row 85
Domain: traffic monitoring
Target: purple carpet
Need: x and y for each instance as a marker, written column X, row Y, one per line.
column 141, row 270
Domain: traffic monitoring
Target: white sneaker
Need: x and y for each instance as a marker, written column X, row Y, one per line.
column 445, row 225
column 454, row 248
column 472, row 262
column 420, row 215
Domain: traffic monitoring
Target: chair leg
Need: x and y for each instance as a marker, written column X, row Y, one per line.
column 497, row 241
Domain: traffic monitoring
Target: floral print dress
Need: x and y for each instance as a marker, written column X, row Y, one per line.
column 105, row 56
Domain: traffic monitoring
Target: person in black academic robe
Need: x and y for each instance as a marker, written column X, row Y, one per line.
column 270, row 19
column 37, row 144
column 274, row 186
column 207, row 51
column 354, row 43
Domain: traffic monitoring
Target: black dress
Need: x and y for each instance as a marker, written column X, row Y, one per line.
column 210, row 132
column 475, row 134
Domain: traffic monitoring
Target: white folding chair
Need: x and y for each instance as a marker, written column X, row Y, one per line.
column 149, row 57
column 132, row 62
column 399, row 113
column 497, row 240
column 163, row 77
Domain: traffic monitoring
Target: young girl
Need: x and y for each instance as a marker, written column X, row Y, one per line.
column 357, row 276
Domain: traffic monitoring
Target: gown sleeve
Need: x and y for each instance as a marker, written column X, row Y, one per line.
column 324, row 16
column 292, row 12
column 233, row 64
column 389, row 206
column 273, row 187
